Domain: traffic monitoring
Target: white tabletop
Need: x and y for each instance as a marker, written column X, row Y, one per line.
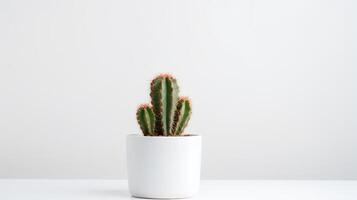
column 11, row 189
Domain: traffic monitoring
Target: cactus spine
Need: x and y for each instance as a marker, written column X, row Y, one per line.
column 146, row 119
column 169, row 113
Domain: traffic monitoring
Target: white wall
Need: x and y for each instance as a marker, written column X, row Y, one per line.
column 273, row 84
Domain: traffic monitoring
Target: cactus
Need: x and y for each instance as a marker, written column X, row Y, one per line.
column 169, row 113
column 146, row 119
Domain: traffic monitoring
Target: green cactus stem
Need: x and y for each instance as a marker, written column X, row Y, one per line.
column 182, row 116
column 146, row 119
column 164, row 98
column 168, row 114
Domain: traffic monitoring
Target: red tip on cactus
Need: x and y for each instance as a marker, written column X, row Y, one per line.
column 164, row 75
column 184, row 98
column 144, row 105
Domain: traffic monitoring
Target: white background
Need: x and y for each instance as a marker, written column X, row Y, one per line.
column 273, row 84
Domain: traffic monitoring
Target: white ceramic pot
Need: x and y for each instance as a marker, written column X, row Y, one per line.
column 163, row 167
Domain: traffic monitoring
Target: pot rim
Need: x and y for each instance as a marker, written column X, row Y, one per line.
column 163, row 137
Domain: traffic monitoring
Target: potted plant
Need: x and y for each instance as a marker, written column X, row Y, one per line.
column 164, row 162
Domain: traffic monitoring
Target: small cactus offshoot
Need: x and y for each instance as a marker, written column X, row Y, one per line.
column 146, row 119
column 168, row 114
